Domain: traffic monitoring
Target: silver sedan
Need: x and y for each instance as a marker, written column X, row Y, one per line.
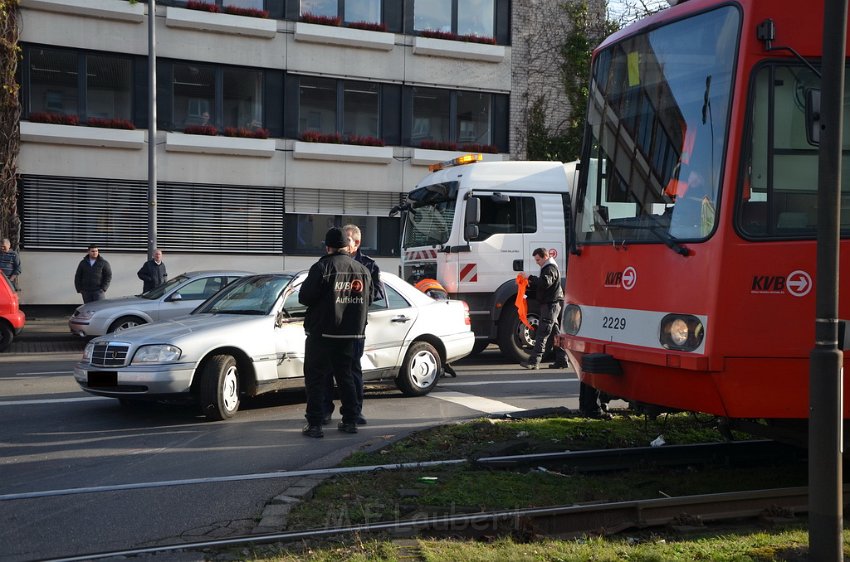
column 249, row 339
column 176, row 297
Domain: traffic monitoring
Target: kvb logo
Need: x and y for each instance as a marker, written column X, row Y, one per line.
column 798, row 283
column 625, row 279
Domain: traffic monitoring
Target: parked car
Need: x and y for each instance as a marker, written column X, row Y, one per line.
column 249, row 339
column 12, row 318
column 176, row 297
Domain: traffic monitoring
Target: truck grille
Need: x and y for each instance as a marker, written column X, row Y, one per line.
column 110, row 354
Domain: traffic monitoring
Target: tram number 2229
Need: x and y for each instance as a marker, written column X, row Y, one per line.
column 613, row 323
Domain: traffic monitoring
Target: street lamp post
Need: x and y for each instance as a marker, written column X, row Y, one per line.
column 152, row 224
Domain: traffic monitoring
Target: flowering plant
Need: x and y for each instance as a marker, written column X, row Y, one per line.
column 474, row 147
column 368, row 25
column 336, row 138
column 209, row 130
column 54, row 118
column 203, row 6
column 469, row 38
column 321, row 20
column 250, row 12
column 246, row 132
column 110, row 123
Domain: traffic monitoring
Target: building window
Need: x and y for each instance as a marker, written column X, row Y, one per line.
column 458, row 17
column 473, row 118
column 55, row 85
column 360, row 109
column 451, row 120
column 349, row 11
column 330, row 106
column 210, row 95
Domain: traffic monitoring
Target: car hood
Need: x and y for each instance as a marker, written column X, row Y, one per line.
column 183, row 327
column 120, row 301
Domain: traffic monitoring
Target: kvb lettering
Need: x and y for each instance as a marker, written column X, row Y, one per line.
column 768, row 283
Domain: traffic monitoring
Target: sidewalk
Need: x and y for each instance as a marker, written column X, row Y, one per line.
column 46, row 331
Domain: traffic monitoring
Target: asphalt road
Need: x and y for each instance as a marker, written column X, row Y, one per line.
column 83, row 474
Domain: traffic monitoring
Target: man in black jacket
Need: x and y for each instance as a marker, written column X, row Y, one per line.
column 153, row 273
column 550, row 295
column 337, row 293
column 355, row 238
column 93, row 276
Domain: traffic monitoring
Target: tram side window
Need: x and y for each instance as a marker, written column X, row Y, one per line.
column 780, row 180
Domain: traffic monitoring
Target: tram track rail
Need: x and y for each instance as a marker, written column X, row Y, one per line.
column 561, row 522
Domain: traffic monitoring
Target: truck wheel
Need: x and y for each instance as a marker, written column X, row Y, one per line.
column 515, row 340
column 219, row 388
column 421, row 368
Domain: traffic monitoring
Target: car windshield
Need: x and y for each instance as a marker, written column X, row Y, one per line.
column 158, row 292
column 255, row 295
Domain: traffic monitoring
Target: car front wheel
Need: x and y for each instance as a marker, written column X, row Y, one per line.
column 421, row 368
column 218, row 392
column 125, row 322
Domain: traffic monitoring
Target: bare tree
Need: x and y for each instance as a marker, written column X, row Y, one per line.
column 10, row 113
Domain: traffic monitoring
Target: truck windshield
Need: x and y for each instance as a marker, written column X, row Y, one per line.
column 429, row 216
column 658, row 116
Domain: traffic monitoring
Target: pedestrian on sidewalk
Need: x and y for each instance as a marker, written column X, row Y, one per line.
column 153, row 273
column 10, row 262
column 93, row 276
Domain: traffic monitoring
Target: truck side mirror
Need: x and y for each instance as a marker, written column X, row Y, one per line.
column 813, row 116
column 470, row 231
column 473, row 211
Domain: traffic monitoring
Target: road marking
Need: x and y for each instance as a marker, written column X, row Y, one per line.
column 235, row 478
column 49, row 401
column 475, row 402
column 47, row 373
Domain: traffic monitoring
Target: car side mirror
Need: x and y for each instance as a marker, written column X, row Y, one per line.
column 175, row 297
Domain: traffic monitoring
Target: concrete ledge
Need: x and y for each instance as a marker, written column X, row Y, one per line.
column 220, row 23
column 233, row 146
column 458, row 49
column 49, row 133
column 346, row 36
column 343, row 152
column 103, row 9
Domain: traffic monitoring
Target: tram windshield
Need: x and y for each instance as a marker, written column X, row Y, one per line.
column 658, row 116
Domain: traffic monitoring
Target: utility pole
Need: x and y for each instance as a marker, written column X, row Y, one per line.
column 152, row 224
column 826, row 389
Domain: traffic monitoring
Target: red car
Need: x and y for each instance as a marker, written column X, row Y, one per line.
column 12, row 318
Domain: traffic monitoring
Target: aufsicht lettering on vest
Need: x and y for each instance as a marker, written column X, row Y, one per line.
column 348, row 299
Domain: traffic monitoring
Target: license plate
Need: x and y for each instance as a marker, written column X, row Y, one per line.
column 102, row 379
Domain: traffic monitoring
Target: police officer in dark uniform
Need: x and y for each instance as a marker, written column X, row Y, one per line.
column 337, row 293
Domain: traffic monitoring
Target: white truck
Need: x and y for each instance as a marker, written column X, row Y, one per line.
column 473, row 225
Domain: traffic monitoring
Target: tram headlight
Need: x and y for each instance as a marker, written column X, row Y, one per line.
column 571, row 321
column 683, row 332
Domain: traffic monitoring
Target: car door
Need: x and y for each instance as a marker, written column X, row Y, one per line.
column 187, row 297
column 390, row 320
column 289, row 336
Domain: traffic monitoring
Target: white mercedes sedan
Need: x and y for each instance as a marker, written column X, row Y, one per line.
column 248, row 339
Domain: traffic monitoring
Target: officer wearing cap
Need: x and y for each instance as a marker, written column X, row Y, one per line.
column 337, row 293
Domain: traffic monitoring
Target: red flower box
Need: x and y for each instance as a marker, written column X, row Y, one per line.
column 54, row 118
column 321, row 20
column 209, row 130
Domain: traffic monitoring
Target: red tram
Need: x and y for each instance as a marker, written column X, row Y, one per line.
column 691, row 277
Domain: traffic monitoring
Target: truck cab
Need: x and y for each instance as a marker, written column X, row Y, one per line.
column 473, row 225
